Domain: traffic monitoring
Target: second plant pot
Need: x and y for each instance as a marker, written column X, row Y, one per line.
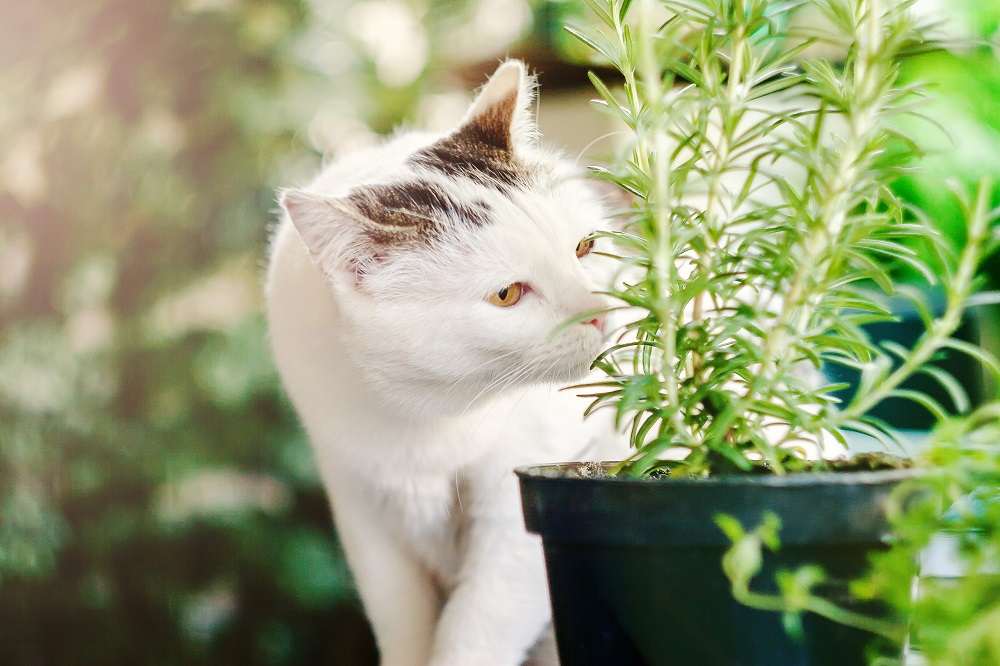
column 635, row 573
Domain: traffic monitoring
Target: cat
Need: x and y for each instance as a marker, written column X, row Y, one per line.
column 417, row 295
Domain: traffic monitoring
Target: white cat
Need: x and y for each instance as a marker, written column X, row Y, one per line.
column 414, row 295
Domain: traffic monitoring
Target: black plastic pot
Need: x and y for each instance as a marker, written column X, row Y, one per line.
column 635, row 574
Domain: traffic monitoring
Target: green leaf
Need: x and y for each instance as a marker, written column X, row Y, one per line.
column 600, row 10
column 866, row 428
column 733, row 455
column 623, row 9
column 983, row 298
column 781, row 83
column 978, row 353
column 640, row 435
column 730, row 526
column 591, row 42
column 609, row 98
column 922, row 399
column 639, row 391
column 959, row 398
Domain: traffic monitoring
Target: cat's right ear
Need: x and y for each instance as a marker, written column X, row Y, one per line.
column 501, row 116
column 341, row 239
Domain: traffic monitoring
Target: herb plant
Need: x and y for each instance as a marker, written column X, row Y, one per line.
column 763, row 239
column 765, row 235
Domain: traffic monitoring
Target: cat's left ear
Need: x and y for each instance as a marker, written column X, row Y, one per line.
column 348, row 236
column 502, row 116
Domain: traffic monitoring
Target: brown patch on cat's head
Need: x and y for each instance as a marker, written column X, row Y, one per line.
column 360, row 230
column 412, row 211
column 464, row 154
column 483, row 148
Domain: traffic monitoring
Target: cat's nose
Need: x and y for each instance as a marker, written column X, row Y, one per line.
column 596, row 322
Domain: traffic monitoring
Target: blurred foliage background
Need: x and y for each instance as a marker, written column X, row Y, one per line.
column 157, row 498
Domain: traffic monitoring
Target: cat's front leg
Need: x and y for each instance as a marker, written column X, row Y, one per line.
column 400, row 599
column 500, row 607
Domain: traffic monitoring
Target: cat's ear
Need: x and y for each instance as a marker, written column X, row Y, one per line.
column 344, row 235
column 502, row 114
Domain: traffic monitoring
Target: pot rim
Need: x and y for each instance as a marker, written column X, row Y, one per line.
column 550, row 473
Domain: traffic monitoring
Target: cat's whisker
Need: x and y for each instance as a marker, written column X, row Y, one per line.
column 594, row 142
column 512, row 380
column 498, row 384
column 484, row 364
column 544, row 375
column 450, row 388
column 489, row 385
column 541, row 379
column 527, row 369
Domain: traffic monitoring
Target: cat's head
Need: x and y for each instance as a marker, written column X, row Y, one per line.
column 458, row 261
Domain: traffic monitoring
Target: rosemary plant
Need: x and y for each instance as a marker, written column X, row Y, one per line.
column 765, row 235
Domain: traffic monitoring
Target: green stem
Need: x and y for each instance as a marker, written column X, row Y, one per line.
column 797, row 310
column 663, row 251
column 942, row 329
column 819, row 606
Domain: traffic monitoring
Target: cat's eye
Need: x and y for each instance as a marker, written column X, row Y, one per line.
column 584, row 247
column 507, row 296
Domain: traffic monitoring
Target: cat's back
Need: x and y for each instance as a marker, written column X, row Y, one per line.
column 300, row 308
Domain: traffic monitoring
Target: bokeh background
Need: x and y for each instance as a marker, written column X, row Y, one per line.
column 158, row 503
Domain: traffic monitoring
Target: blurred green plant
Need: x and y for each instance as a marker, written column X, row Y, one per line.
column 157, row 498
column 951, row 511
column 156, row 490
column 964, row 101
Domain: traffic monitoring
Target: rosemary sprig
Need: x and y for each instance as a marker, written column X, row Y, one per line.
column 765, row 232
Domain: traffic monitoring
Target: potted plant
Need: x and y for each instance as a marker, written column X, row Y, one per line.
column 761, row 243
